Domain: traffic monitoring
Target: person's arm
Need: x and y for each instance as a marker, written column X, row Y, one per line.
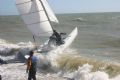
column 62, row 33
column 28, row 64
column 27, row 67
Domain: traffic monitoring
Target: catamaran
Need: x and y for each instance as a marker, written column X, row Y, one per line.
column 37, row 15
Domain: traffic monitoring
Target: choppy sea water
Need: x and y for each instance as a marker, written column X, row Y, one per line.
column 99, row 33
column 98, row 38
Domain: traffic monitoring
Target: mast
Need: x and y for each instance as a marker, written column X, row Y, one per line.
column 35, row 42
column 46, row 14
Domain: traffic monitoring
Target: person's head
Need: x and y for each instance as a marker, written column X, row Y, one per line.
column 31, row 53
column 54, row 30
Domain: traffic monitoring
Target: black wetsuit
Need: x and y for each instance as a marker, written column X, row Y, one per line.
column 0, row 77
column 59, row 40
column 32, row 71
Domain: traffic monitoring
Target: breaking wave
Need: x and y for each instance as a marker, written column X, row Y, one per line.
column 9, row 51
column 84, row 73
column 46, row 63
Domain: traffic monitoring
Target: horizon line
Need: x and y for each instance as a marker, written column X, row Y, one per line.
column 67, row 13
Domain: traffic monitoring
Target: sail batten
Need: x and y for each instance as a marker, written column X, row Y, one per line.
column 36, row 22
column 39, row 31
column 23, row 3
column 31, row 12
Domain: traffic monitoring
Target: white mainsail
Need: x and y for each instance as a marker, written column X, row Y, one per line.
column 34, row 15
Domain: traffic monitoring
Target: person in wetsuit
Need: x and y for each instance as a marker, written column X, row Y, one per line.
column 57, row 36
column 31, row 66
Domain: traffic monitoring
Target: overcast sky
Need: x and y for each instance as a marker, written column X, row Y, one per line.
column 8, row 7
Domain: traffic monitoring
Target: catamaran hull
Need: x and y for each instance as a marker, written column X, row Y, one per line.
column 59, row 49
column 67, row 42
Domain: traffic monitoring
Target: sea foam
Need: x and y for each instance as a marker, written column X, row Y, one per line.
column 83, row 73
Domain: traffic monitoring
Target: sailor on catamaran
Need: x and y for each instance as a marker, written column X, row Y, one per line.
column 57, row 37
